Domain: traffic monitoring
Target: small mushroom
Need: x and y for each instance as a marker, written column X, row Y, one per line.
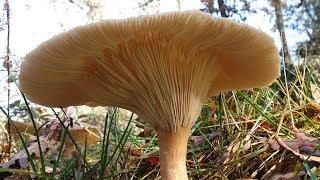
column 161, row 67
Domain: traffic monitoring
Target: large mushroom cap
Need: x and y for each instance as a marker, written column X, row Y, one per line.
column 150, row 61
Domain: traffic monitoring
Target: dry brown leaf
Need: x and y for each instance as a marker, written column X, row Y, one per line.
column 286, row 176
column 315, row 91
column 312, row 110
column 135, row 152
column 308, row 141
column 310, row 150
column 302, row 142
column 294, row 148
column 145, row 133
column 229, row 153
column 250, row 123
column 17, row 177
column 20, row 160
column 273, row 144
column 153, row 160
column 198, row 140
column 50, row 140
column 247, row 145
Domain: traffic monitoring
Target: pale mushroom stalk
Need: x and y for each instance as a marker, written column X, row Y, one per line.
column 173, row 151
column 161, row 67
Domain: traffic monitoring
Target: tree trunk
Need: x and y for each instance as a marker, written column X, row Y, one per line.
column 315, row 36
column 280, row 26
column 223, row 8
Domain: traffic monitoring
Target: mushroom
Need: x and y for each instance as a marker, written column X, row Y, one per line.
column 161, row 67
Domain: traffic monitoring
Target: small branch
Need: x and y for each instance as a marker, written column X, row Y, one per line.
column 7, row 64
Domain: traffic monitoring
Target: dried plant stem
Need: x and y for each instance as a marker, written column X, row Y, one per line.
column 173, row 151
column 7, row 65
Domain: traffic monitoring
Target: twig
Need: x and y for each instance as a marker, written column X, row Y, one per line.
column 65, row 128
column 7, row 64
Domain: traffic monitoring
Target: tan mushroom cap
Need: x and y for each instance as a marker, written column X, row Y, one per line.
column 158, row 66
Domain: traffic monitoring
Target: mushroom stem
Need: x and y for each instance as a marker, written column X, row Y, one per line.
column 173, row 152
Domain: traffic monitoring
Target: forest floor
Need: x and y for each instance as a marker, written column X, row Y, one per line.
column 267, row 133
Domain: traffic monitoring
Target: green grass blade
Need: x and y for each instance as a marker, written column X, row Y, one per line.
column 62, row 124
column 23, row 143
column 309, row 171
column 124, row 141
column 36, row 133
column 121, row 139
column 263, row 114
column 104, row 149
column 84, row 156
column 60, row 153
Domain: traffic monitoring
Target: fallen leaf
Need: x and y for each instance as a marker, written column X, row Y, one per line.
column 286, row 176
column 153, row 160
column 247, row 145
column 135, row 152
column 250, row 124
column 315, row 91
column 20, row 160
column 312, row 110
column 266, row 126
column 273, row 144
column 198, row 140
column 145, row 133
column 302, row 142
column 310, row 150
column 308, row 141
column 295, row 150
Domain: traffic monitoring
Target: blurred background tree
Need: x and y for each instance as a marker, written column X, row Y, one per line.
column 304, row 16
